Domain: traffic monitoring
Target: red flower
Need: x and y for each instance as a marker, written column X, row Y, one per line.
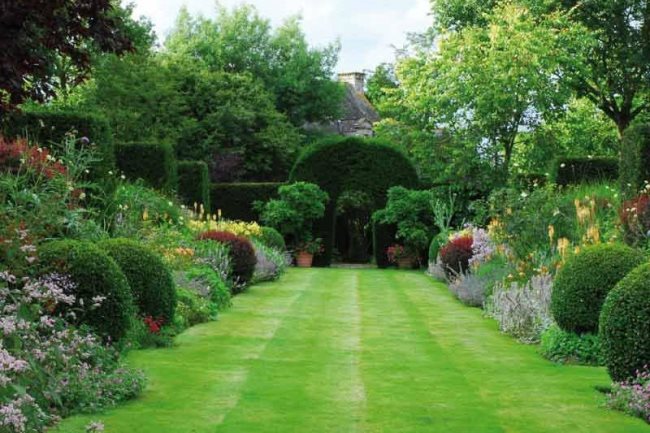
column 154, row 325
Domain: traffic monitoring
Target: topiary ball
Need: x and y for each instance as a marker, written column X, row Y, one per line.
column 151, row 281
column 455, row 256
column 241, row 253
column 95, row 275
column 582, row 284
column 273, row 239
column 625, row 325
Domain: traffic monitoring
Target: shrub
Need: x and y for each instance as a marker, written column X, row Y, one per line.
column 100, row 285
column 194, row 183
column 635, row 159
column 235, row 200
column 193, row 309
column 153, row 163
column 633, row 396
column 455, row 256
column 241, row 253
column 271, row 262
column 625, row 325
column 582, row 284
column 207, row 283
column 635, row 219
column 563, row 346
column 469, row 289
column 272, row 238
column 523, row 311
column 367, row 165
column 573, row 171
column 150, row 279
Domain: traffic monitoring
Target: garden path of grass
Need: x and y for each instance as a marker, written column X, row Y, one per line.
column 368, row 351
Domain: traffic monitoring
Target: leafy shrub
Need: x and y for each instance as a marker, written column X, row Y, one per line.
column 624, row 325
column 633, row 396
column 573, row 171
column 273, row 239
column 207, row 283
column 235, row 200
column 100, row 286
column 635, row 159
column 455, row 256
column 216, row 256
column 563, row 346
column 150, row 280
column 523, row 311
column 193, row 309
column 194, row 183
column 271, row 262
column 367, row 165
column 153, row 163
column 582, row 284
column 241, row 253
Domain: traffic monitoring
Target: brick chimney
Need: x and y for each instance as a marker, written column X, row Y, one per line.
column 356, row 79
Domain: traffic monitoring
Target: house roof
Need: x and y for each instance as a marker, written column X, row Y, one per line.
column 356, row 106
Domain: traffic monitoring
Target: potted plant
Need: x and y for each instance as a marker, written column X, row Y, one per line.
column 399, row 255
column 293, row 214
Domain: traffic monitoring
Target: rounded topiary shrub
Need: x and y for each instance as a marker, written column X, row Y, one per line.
column 581, row 285
column 625, row 325
column 151, row 281
column 96, row 276
column 242, row 253
column 273, row 239
column 455, row 256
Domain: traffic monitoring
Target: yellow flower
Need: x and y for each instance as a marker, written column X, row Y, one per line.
column 145, row 215
column 551, row 233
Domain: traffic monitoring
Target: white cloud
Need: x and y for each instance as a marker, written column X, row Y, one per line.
column 367, row 29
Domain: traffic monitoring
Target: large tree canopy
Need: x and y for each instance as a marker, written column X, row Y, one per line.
column 39, row 35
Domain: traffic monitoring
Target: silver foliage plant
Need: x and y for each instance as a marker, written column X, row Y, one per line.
column 523, row 311
column 469, row 289
column 271, row 262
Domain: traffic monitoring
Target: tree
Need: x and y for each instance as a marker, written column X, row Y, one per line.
column 39, row 34
column 380, row 82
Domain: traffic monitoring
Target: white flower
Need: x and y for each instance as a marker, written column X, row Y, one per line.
column 524, row 194
column 123, row 177
column 562, row 165
column 110, row 172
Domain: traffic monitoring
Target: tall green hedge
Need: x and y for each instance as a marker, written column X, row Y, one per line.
column 341, row 164
column 235, row 200
column 635, row 159
column 577, row 170
column 154, row 163
column 194, row 183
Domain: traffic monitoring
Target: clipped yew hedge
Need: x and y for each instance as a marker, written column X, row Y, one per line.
column 153, row 163
column 235, row 200
column 194, row 183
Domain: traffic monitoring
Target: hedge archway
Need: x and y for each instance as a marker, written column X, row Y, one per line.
column 345, row 164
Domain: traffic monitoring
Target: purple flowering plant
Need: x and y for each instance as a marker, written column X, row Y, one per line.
column 633, row 396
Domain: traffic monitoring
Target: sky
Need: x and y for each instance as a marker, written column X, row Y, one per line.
column 368, row 29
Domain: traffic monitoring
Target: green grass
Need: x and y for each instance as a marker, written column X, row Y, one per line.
column 337, row 351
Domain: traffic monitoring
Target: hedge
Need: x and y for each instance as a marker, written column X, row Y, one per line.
column 574, row 171
column 49, row 129
column 154, row 163
column 194, row 183
column 340, row 164
column 383, row 236
column 235, row 200
column 635, row 159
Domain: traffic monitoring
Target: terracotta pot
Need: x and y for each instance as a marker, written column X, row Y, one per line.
column 405, row 263
column 304, row 259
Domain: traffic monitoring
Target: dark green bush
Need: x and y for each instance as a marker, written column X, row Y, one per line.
column 154, row 163
column 194, row 183
column 635, row 159
column 574, row 171
column 343, row 164
column 235, row 200
column 272, row 238
column 151, row 281
column 383, row 236
column 625, row 325
column 567, row 347
column 95, row 274
column 582, row 284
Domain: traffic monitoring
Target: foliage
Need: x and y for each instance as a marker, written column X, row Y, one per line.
column 383, row 235
column 241, row 253
column 382, row 79
column 294, row 212
column 100, row 285
column 523, row 311
column 39, row 36
column 396, row 252
column 469, row 289
column 564, row 347
column 624, row 325
column 354, row 212
column 582, row 284
column 209, row 285
column 633, row 396
column 589, row 169
column 456, row 254
column 153, row 163
column 635, row 219
column 410, row 211
column 272, row 239
column 271, row 262
column 366, row 165
column 194, row 183
column 149, row 278
column 235, row 200
column 635, row 160
column 192, row 309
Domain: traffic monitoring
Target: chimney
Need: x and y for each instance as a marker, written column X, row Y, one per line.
column 356, row 79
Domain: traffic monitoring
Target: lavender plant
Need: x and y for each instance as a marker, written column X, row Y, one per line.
column 271, row 263
column 470, row 289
